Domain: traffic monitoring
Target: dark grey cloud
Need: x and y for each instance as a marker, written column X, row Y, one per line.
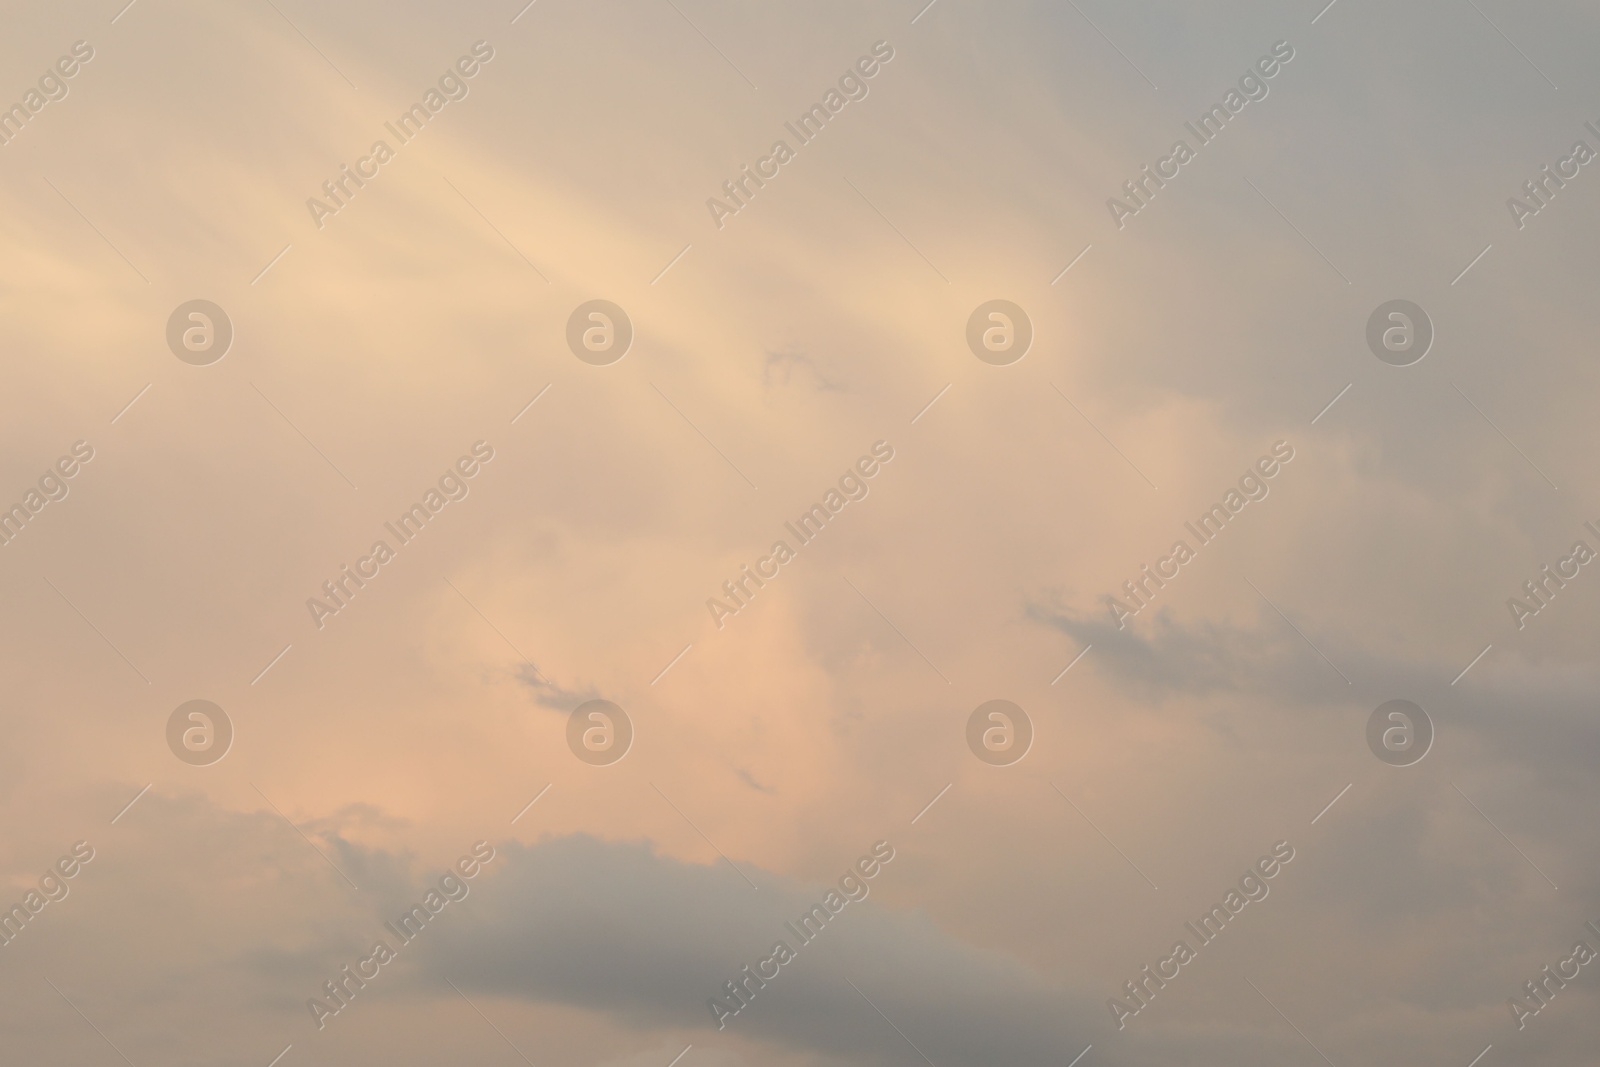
column 1534, row 715
column 550, row 694
column 1404, row 883
column 619, row 928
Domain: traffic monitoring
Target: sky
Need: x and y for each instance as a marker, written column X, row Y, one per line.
column 602, row 389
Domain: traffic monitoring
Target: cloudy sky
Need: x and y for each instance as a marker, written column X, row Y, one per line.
column 405, row 344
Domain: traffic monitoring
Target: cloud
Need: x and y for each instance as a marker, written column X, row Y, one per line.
column 1166, row 659
column 649, row 939
column 782, row 365
column 552, row 695
column 413, row 323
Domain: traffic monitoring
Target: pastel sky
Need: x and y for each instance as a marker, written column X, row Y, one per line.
column 1172, row 349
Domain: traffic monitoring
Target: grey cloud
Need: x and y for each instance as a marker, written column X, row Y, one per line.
column 1161, row 658
column 618, row 928
column 552, row 695
column 1553, row 729
column 784, row 365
